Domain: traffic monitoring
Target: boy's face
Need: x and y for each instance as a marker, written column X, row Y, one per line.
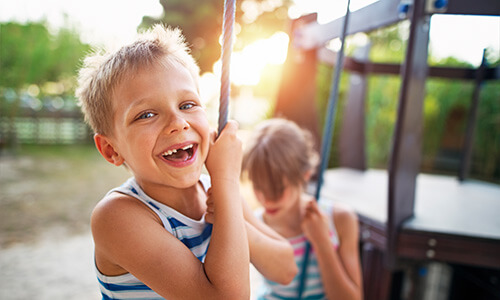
column 161, row 130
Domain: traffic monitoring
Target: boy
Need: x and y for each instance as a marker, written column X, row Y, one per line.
column 154, row 236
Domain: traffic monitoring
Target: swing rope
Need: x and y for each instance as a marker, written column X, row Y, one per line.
column 327, row 138
column 227, row 43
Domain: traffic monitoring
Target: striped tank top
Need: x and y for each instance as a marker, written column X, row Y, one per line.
column 313, row 287
column 195, row 234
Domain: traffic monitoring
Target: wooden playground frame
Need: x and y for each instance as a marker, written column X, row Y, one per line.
column 406, row 217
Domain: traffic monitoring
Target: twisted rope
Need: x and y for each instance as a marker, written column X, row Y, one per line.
column 227, row 43
column 327, row 138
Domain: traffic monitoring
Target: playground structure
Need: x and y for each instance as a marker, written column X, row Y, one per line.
column 408, row 220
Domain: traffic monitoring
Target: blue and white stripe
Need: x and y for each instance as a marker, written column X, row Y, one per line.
column 195, row 234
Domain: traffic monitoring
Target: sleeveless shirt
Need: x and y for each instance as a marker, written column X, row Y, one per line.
column 313, row 287
column 195, row 234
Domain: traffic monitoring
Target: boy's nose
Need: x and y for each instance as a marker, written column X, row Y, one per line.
column 177, row 123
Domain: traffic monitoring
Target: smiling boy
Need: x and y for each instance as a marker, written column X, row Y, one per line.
column 163, row 233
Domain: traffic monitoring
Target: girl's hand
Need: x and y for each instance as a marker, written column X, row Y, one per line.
column 225, row 154
column 314, row 223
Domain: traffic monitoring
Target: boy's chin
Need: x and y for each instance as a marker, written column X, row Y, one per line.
column 187, row 181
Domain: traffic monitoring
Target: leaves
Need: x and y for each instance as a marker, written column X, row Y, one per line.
column 31, row 54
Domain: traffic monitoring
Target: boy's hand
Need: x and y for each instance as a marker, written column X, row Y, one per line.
column 314, row 223
column 225, row 154
column 209, row 215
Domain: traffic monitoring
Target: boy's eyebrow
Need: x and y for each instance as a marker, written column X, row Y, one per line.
column 129, row 111
column 188, row 91
column 137, row 103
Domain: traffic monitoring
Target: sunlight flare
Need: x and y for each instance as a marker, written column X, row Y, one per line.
column 248, row 65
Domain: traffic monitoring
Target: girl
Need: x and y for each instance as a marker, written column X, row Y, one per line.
column 279, row 160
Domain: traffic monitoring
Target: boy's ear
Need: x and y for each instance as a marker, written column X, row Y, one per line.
column 107, row 150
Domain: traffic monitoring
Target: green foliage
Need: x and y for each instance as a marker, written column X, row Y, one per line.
column 323, row 89
column 381, row 107
column 486, row 158
column 38, row 70
column 446, row 112
column 388, row 44
column 200, row 22
column 31, row 54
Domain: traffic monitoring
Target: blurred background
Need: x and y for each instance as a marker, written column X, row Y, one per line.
column 51, row 176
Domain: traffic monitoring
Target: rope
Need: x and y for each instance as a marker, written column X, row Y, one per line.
column 327, row 138
column 227, row 43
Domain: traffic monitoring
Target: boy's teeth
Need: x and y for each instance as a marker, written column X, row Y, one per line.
column 170, row 152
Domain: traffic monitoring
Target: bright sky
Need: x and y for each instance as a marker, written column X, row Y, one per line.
column 113, row 21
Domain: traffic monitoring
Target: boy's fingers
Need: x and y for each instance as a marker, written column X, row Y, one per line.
column 213, row 136
column 231, row 127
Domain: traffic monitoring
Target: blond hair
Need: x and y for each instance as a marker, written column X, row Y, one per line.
column 102, row 72
column 278, row 154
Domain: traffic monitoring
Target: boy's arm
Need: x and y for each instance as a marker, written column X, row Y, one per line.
column 227, row 260
column 270, row 253
column 129, row 237
column 340, row 268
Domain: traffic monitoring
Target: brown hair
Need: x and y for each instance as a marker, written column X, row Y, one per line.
column 102, row 72
column 279, row 153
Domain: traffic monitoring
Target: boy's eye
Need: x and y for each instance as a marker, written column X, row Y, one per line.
column 186, row 106
column 146, row 115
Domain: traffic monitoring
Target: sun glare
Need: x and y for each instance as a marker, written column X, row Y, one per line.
column 248, row 65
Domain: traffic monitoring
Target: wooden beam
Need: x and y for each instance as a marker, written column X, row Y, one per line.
column 476, row 7
column 297, row 91
column 404, row 164
column 466, row 250
column 355, row 65
column 379, row 14
column 352, row 132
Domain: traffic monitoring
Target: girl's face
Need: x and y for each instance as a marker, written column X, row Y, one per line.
column 284, row 204
column 161, row 130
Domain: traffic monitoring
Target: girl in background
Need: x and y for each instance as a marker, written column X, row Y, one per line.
column 280, row 160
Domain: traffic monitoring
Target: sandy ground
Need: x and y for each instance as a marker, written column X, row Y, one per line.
column 46, row 249
column 55, row 268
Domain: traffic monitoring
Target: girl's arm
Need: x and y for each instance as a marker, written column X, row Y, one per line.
column 340, row 268
column 129, row 237
column 270, row 253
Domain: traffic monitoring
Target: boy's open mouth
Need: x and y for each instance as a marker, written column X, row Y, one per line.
column 179, row 155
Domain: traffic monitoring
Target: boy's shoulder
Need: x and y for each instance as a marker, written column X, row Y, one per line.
column 117, row 207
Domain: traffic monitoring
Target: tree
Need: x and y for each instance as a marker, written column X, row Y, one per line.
column 31, row 54
column 35, row 63
column 201, row 23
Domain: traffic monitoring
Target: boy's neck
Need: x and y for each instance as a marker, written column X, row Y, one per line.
column 188, row 201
